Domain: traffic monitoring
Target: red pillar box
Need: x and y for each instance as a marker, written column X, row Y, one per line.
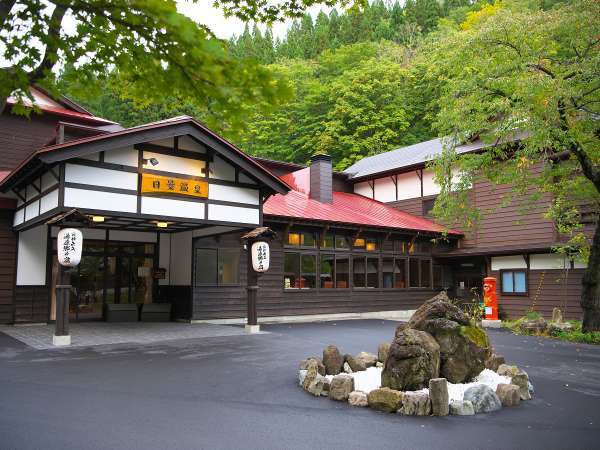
column 490, row 300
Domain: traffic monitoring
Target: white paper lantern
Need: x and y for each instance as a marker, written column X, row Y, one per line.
column 260, row 256
column 69, row 243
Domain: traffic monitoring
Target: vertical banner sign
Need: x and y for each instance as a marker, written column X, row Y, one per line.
column 69, row 244
column 490, row 299
column 260, row 256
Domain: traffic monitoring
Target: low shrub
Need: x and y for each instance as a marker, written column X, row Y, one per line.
column 574, row 335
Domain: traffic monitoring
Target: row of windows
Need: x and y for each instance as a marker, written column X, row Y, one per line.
column 333, row 272
column 310, row 239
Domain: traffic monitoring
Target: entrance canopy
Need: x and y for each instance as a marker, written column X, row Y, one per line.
column 166, row 176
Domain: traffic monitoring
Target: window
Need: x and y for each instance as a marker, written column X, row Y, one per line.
column 358, row 269
column 366, row 271
column 371, row 245
column 327, row 240
column 216, row 266
column 300, row 271
column 341, row 242
column 514, row 281
column 394, row 273
column 359, row 243
column 342, row 272
column 420, row 272
column 301, row 238
column 400, row 246
column 327, row 271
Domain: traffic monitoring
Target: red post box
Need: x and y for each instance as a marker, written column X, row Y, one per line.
column 490, row 299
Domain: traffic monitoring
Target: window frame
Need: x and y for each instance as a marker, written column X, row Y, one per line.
column 521, row 294
column 317, row 273
column 300, row 231
column 335, row 257
column 394, row 259
column 365, row 257
column 420, row 260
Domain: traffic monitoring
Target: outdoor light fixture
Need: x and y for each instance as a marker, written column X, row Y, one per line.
column 162, row 224
column 152, row 161
column 97, row 219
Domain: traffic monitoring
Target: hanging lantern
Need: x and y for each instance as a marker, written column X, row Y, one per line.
column 69, row 244
column 260, row 256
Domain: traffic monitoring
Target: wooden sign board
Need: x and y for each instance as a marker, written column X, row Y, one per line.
column 160, row 184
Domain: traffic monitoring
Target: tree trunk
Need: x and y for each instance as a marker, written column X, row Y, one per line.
column 590, row 294
column 2, row 103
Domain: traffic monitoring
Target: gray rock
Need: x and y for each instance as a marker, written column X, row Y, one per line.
column 317, row 386
column 464, row 347
column 379, row 365
column 320, row 366
column 382, row 351
column 301, row 376
column 494, row 361
column 521, row 380
column 340, row 387
column 537, row 326
column 557, row 327
column 385, row 399
column 483, row 398
column 413, row 359
column 530, row 388
column 355, row 364
column 366, row 359
column 461, row 408
column 358, row 398
column 507, row 371
column 347, row 368
column 415, row 404
column 508, row 394
column 557, row 316
column 438, row 394
column 311, row 373
column 333, row 360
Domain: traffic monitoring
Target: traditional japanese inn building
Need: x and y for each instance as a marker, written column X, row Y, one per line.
column 163, row 207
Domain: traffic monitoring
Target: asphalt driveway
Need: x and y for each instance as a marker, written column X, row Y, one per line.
column 234, row 392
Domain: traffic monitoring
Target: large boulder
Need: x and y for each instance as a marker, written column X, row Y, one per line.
column 385, row 399
column 333, row 360
column 358, row 398
column 464, row 347
column 508, row 394
column 366, row 359
column 521, row 380
column 413, row 359
column 382, row 351
column 483, row 398
column 461, row 408
column 340, row 387
column 355, row 364
column 320, row 365
column 312, row 372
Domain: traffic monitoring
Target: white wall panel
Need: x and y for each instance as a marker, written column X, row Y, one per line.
column 124, row 156
column 409, row 186
column 19, row 217
column 176, row 164
column 233, row 194
column 430, row 187
column 164, row 255
column 172, row 208
column 131, row 236
column 385, row 190
column 508, row 262
column 189, row 144
column 48, row 180
column 31, row 192
column 49, row 201
column 221, row 170
column 181, row 261
column 105, row 201
column 31, row 257
column 32, row 210
column 363, row 189
column 246, row 179
column 548, row 261
column 233, row 214
column 580, row 265
column 211, row 231
column 100, row 177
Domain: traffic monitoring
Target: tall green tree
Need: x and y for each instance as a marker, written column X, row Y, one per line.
column 155, row 49
column 519, row 69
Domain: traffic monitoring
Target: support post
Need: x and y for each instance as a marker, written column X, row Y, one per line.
column 252, row 288
column 63, row 293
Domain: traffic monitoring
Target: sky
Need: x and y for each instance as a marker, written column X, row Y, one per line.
column 224, row 28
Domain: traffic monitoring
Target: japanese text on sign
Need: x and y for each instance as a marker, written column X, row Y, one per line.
column 177, row 186
column 260, row 256
column 69, row 244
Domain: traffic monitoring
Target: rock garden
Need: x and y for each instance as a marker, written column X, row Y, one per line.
column 438, row 363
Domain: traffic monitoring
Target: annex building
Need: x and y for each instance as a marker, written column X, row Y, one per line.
column 163, row 207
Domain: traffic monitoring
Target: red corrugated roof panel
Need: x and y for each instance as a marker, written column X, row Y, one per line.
column 348, row 209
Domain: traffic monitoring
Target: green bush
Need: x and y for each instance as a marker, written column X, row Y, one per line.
column 575, row 335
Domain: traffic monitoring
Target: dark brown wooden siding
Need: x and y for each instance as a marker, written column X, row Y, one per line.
column 8, row 255
column 273, row 300
column 31, row 304
column 547, row 289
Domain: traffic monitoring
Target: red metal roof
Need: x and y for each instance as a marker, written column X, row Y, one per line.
column 346, row 208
